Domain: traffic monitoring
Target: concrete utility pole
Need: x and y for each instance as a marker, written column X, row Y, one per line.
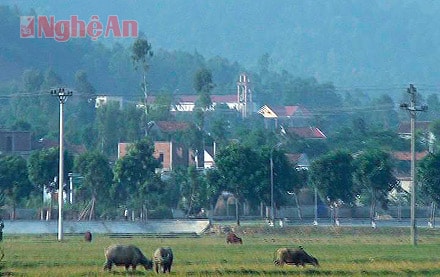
column 62, row 95
column 413, row 109
column 272, row 202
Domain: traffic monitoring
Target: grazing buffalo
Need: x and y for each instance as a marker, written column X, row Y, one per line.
column 232, row 238
column 296, row 257
column 126, row 255
column 163, row 259
column 88, row 236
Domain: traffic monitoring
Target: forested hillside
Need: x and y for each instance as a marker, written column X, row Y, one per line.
column 348, row 43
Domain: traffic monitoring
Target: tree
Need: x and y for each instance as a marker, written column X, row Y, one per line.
column 384, row 115
column 332, row 175
column 435, row 130
column 216, row 184
column 26, row 105
column 43, row 167
column 374, row 177
column 141, row 52
column 285, row 178
column 97, row 176
column 429, row 176
column 81, row 112
column 203, row 85
column 243, row 169
column 109, row 127
column 14, row 181
column 135, row 180
column 194, row 191
column 131, row 129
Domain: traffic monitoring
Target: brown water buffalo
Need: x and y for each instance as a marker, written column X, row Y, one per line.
column 88, row 236
column 295, row 256
column 233, row 238
column 163, row 259
column 126, row 255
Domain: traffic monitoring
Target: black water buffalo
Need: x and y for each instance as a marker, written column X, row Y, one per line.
column 295, row 256
column 126, row 255
column 163, row 259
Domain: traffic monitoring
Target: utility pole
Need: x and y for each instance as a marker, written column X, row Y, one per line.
column 413, row 109
column 272, row 202
column 62, row 95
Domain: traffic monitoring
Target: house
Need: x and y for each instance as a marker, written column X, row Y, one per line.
column 15, row 142
column 422, row 127
column 289, row 116
column 104, row 100
column 404, row 128
column 241, row 101
column 170, row 154
column 43, row 143
column 305, row 132
column 403, row 166
column 300, row 160
column 209, row 155
column 186, row 103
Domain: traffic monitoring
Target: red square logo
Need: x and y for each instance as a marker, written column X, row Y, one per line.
column 27, row 26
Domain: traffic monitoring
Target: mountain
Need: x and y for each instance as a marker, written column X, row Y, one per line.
column 352, row 43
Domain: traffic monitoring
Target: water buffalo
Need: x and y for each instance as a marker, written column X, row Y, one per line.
column 233, row 238
column 126, row 255
column 163, row 259
column 88, row 236
column 295, row 256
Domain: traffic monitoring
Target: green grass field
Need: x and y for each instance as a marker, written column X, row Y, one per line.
column 340, row 251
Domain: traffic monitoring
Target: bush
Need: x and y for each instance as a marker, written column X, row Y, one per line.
column 160, row 212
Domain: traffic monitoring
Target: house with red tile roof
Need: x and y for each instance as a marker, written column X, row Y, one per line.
column 300, row 160
column 306, row 132
column 403, row 166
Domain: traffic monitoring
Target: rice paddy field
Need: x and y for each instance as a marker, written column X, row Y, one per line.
column 341, row 251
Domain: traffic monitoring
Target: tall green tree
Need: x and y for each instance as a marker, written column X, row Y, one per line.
column 43, row 167
column 97, row 179
column 141, row 53
column 14, row 181
column 374, row 177
column 109, row 128
column 429, row 176
column 135, row 180
column 332, row 175
column 194, row 191
column 243, row 169
column 285, row 178
column 203, row 85
column 131, row 129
